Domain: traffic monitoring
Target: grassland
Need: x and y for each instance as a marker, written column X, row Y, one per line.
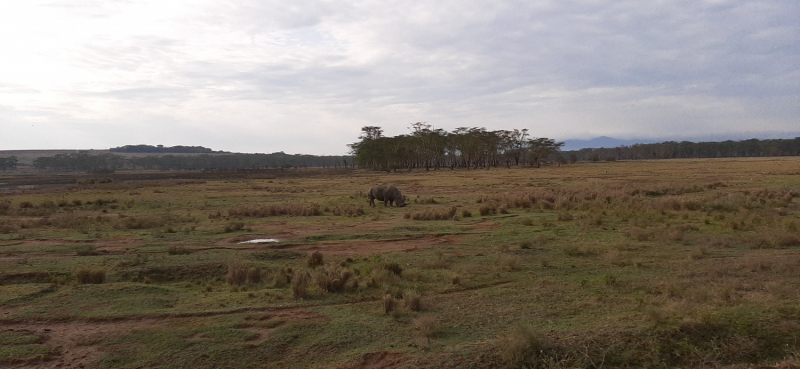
column 674, row 263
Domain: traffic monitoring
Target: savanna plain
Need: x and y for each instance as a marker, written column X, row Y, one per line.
column 670, row 263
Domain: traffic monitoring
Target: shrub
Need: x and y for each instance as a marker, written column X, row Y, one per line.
column 388, row 304
column 300, row 282
column 26, row 205
column 90, row 276
column 525, row 245
column 315, row 259
column 466, row 213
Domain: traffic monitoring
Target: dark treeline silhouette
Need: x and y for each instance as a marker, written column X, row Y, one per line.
column 83, row 161
column 672, row 150
column 8, row 163
column 160, row 149
column 431, row 148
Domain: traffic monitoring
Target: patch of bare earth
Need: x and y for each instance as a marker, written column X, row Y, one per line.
column 78, row 342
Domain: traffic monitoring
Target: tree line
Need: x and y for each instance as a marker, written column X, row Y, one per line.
column 432, row 148
column 673, row 150
column 85, row 162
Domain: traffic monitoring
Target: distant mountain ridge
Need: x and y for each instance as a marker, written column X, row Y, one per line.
column 611, row 142
column 602, row 141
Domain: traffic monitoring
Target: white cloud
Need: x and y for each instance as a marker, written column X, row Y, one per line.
column 304, row 76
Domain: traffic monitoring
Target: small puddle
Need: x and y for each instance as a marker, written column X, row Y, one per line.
column 261, row 240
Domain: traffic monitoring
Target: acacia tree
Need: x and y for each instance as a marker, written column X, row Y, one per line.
column 540, row 148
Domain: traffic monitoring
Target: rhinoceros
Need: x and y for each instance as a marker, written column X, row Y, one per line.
column 388, row 195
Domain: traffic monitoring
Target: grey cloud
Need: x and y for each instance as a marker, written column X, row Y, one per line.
column 605, row 67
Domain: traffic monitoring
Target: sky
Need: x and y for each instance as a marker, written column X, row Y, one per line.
column 304, row 76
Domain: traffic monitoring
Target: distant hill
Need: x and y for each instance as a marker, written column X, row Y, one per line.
column 160, row 149
column 602, row 141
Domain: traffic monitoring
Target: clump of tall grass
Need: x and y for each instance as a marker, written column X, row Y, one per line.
column 315, row 259
column 241, row 274
column 432, row 214
column 488, row 209
column 349, row 210
column 178, row 250
column 300, row 282
column 524, row 348
column 234, row 227
column 273, row 210
column 412, row 300
column 332, row 279
column 427, row 325
column 388, row 304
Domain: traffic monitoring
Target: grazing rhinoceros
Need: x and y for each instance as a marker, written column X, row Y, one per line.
column 388, row 195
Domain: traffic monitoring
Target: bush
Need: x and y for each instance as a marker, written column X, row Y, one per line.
column 466, row 213
column 315, row 259
column 90, row 276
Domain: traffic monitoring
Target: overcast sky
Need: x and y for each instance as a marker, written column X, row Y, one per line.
column 304, row 76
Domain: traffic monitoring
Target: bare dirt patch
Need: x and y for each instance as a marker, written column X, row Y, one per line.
column 78, row 342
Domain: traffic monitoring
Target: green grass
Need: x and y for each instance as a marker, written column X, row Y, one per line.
column 657, row 264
